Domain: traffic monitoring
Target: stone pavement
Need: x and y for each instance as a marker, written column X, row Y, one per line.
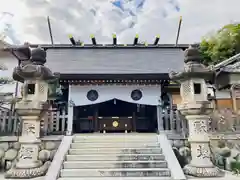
column 2, row 178
column 228, row 176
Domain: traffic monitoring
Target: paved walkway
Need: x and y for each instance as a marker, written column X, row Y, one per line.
column 2, row 178
column 228, row 176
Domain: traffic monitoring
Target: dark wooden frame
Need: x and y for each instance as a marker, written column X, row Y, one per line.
column 108, row 46
column 72, row 77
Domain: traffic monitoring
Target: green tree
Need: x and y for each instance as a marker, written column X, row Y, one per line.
column 221, row 45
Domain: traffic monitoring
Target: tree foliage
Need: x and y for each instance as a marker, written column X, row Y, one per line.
column 221, row 45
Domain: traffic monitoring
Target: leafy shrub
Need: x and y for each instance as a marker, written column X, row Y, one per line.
column 235, row 167
column 182, row 160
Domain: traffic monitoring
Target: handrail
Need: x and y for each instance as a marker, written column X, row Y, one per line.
column 56, row 165
column 173, row 164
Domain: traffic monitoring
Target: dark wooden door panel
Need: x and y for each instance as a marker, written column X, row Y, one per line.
column 112, row 124
column 83, row 125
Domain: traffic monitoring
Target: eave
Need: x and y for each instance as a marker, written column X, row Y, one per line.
column 158, row 76
column 227, row 79
column 226, row 62
column 108, row 46
column 120, row 81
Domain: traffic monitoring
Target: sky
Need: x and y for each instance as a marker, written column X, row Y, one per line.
column 81, row 18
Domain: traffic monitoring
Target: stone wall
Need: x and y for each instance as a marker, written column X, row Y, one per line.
column 9, row 148
column 225, row 150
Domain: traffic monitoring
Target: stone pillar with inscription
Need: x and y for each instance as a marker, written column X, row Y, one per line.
column 31, row 109
column 196, row 107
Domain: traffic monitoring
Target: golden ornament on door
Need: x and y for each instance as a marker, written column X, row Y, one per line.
column 115, row 124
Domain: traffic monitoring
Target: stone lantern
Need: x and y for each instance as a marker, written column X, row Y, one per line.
column 196, row 108
column 31, row 109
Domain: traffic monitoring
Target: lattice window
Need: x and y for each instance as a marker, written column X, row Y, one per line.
column 186, row 90
column 41, row 88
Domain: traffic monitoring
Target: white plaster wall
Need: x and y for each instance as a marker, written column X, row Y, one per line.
column 223, row 94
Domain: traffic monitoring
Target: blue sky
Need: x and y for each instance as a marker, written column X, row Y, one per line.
column 100, row 17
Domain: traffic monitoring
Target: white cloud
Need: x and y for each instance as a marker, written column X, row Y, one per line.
column 83, row 17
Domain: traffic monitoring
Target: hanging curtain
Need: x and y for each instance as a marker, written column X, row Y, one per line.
column 149, row 94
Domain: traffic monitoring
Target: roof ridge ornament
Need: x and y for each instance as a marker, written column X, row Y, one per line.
column 136, row 41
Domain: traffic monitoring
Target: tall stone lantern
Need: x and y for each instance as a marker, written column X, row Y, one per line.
column 31, row 109
column 196, row 108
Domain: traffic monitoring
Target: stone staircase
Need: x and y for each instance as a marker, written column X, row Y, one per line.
column 115, row 157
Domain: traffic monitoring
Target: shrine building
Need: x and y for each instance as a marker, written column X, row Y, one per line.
column 116, row 87
column 121, row 87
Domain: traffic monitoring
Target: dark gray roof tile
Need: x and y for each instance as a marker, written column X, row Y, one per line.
column 232, row 67
column 115, row 61
column 228, row 63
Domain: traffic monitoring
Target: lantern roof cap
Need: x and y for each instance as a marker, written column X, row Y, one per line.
column 193, row 68
column 192, row 53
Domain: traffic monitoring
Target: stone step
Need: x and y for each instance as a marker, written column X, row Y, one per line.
column 115, row 178
column 120, row 145
column 116, row 151
column 153, row 172
column 113, row 157
column 117, row 135
column 116, row 139
column 113, row 164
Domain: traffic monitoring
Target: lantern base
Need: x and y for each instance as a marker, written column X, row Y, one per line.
column 27, row 173
column 203, row 171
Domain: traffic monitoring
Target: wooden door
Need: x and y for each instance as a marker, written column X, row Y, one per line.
column 113, row 124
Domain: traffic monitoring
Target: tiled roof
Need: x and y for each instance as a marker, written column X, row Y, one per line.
column 115, row 60
column 232, row 67
column 229, row 65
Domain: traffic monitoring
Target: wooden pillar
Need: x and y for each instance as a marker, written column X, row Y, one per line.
column 159, row 113
column 178, row 122
column 134, row 121
column 47, row 120
column 159, row 118
column 70, row 112
column 96, row 126
column 172, row 123
column 234, row 96
column 166, row 118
